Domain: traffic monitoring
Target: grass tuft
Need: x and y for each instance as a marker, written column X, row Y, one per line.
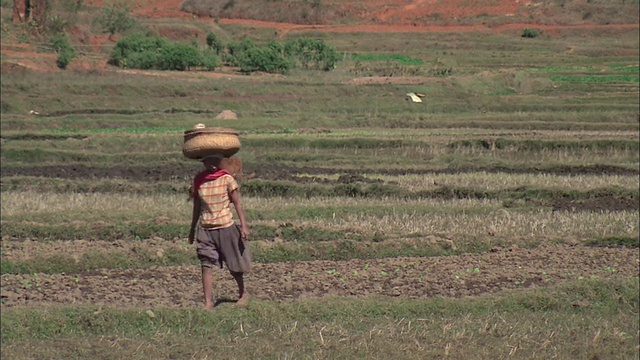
column 615, row 241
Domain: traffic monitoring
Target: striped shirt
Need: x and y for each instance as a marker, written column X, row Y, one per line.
column 214, row 196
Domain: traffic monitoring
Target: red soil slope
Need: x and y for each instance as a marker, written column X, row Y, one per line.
column 379, row 16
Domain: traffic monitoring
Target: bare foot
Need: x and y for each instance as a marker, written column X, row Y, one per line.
column 243, row 300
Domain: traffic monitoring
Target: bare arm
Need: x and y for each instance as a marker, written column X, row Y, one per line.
column 234, row 196
column 195, row 216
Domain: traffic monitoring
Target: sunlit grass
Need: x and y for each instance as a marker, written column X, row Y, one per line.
column 18, row 203
column 456, row 219
column 536, row 226
column 494, row 181
column 575, row 319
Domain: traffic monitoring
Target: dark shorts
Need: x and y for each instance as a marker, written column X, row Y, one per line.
column 215, row 247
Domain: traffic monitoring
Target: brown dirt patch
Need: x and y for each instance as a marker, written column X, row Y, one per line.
column 452, row 276
column 604, row 203
column 178, row 171
column 27, row 58
column 407, row 12
column 200, row 76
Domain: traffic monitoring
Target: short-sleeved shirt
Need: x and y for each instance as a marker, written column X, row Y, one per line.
column 214, row 195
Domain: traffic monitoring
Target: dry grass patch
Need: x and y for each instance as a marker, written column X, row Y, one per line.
column 502, row 224
column 21, row 203
column 463, row 220
column 446, row 135
column 25, row 250
column 496, row 181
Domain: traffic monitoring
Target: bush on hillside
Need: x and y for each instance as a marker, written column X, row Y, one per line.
column 530, row 33
column 265, row 59
column 312, row 54
column 280, row 57
column 178, row 56
column 210, row 60
column 66, row 52
column 237, row 51
column 137, row 51
column 214, row 43
column 142, row 51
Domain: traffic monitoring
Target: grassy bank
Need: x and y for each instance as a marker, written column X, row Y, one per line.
column 575, row 320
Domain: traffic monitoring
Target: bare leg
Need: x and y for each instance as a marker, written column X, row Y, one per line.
column 207, row 287
column 243, row 296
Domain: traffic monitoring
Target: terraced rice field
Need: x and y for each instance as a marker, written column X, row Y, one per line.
column 498, row 219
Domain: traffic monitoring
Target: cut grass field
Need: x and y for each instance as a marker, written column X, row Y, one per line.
column 497, row 219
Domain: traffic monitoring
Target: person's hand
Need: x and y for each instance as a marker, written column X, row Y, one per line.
column 192, row 236
column 244, row 232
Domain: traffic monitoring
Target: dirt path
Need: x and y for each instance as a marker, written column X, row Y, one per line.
column 453, row 276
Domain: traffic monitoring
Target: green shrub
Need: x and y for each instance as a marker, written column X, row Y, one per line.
column 277, row 47
column 144, row 60
column 214, row 43
column 142, row 51
column 138, row 51
column 66, row 52
column 177, row 56
column 64, row 59
column 210, row 60
column 530, row 33
column 311, row 54
column 237, row 51
column 265, row 59
column 60, row 42
column 279, row 58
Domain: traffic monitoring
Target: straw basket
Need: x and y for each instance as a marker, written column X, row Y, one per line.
column 201, row 142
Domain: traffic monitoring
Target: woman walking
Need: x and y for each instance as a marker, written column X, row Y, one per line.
column 218, row 238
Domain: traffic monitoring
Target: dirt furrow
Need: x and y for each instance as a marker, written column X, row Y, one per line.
column 184, row 171
column 452, row 276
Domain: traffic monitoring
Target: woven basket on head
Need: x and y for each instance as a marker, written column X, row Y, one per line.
column 202, row 142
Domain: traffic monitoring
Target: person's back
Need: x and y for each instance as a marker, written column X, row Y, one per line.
column 214, row 196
